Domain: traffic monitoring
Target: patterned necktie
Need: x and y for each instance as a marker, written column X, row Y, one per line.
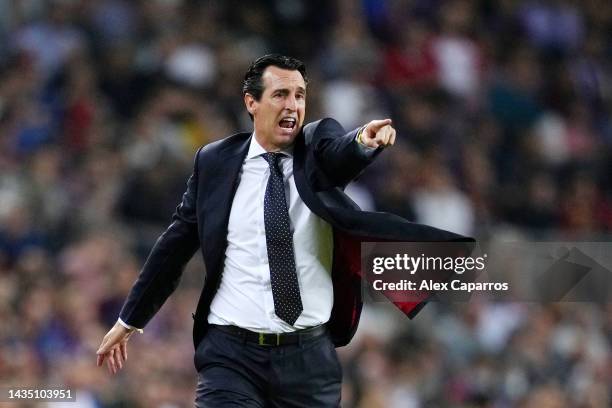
column 281, row 258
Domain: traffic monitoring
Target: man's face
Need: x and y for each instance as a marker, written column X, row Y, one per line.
column 279, row 114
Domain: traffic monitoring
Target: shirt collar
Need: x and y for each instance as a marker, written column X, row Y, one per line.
column 255, row 149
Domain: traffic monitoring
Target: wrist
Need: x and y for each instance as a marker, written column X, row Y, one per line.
column 129, row 327
column 360, row 135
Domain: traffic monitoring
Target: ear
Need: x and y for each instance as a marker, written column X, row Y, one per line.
column 251, row 103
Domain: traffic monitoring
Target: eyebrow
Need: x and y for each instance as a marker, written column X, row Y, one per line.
column 286, row 90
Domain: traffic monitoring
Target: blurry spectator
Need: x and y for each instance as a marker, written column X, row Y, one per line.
column 458, row 57
column 18, row 233
column 552, row 25
column 350, row 63
column 84, row 107
column 583, row 208
column 513, row 97
column 439, row 203
column 52, row 40
column 410, row 62
column 591, row 79
column 539, row 209
column 189, row 59
column 113, row 21
column 503, row 115
column 395, row 194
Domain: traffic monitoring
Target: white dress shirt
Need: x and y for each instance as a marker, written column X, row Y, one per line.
column 244, row 298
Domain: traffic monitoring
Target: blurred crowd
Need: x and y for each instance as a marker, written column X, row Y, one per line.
column 503, row 112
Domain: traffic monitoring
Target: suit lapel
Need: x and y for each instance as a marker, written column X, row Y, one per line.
column 222, row 188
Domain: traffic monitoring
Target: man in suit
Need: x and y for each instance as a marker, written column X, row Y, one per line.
column 280, row 242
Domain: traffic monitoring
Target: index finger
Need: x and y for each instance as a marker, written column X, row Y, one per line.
column 375, row 125
column 104, row 347
column 100, row 360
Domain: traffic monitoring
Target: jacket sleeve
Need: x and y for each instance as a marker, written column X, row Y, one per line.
column 339, row 154
column 164, row 266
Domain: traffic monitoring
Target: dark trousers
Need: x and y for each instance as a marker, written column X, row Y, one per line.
column 237, row 373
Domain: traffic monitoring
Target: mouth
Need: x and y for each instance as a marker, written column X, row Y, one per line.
column 288, row 124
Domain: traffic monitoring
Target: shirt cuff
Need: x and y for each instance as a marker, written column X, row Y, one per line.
column 127, row 326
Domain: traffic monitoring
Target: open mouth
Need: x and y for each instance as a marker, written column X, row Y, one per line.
column 288, row 123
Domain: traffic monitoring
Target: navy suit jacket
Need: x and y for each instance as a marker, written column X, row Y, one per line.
column 325, row 160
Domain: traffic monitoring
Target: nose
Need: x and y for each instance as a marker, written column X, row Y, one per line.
column 291, row 103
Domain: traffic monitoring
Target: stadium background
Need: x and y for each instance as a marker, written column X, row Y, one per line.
column 503, row 117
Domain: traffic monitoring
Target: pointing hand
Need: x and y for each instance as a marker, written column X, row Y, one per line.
column 378, row 133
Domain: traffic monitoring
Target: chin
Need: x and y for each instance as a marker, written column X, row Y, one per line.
column 286, row 138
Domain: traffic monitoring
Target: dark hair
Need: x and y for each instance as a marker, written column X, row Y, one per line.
column 252, row 79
